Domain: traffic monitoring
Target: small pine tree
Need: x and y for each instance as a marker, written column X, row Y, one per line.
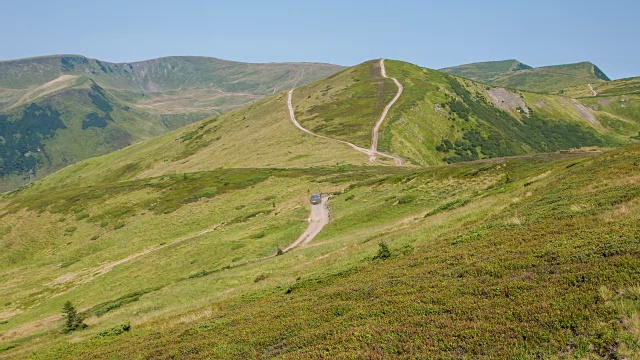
column 73, row 320
column 383, row 251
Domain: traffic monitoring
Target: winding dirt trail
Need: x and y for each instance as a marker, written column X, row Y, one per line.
column 595, row 93
column 376, row 128
column 369, row 152
column 317, row 220
column 319, row 213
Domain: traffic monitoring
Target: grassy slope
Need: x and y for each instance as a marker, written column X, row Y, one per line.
column 485, row 72
column 436, row 106
column 93, row 123
column 617, row 105
column 346, row 105
column 619, row 113
column 611, row 88
column 513, row 258
column 619, row 87
column 546, row 79
column 259, row 135
column 153, row 235
column 551, row 79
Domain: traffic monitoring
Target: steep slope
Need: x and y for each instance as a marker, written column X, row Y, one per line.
column 545, row 79
column 347, row 104
column 96, row 107
column 462, row 120
column 488, row 71
column 439, row 118
column 70, row 124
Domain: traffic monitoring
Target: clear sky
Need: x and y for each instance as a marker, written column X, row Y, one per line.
column 432, row 34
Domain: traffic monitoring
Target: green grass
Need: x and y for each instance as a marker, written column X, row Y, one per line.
column 618, row 113
column 628, row 86
column 174, row 238
column 346, row 105
column 442, row 118
column 485, row 72
column 546, row 79
column 515, row 258
column 433, row 107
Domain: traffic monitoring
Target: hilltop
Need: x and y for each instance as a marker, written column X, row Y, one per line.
column 510, row 230
column 516, row 75
column 91, row 107
column 488, row 71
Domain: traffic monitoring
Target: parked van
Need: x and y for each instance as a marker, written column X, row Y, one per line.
column 316, row 199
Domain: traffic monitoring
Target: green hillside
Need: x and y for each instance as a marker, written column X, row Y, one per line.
column 616, row 103
column 442, row 118
column 93, row 107
column 168, row 247
column 627, row 86
column 433, row 108
column 488, row 71
column 545, row 79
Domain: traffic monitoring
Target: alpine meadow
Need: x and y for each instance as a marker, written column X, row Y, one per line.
column 495, row 215
column 319, row 180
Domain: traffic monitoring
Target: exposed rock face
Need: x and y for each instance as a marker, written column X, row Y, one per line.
column 507, row 100
column 586, row 114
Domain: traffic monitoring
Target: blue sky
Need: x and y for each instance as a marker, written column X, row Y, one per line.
column 433, row 34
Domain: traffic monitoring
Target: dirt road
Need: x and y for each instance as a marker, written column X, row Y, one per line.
column 595, row 93
column 376, row 128
column 371, row 153
column 317, row 220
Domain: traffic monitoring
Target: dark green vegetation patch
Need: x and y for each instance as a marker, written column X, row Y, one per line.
column 497, row 133
column 22, row 138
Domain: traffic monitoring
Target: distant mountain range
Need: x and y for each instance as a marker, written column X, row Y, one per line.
column 439, row 119
column 516, row 75
column 56, row 110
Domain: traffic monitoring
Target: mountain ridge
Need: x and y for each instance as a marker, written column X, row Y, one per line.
column 434, row 107
column 147, row 98
column 546, row 79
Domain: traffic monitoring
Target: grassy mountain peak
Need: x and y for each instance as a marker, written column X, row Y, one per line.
column 486, row 71
column 545, row 79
